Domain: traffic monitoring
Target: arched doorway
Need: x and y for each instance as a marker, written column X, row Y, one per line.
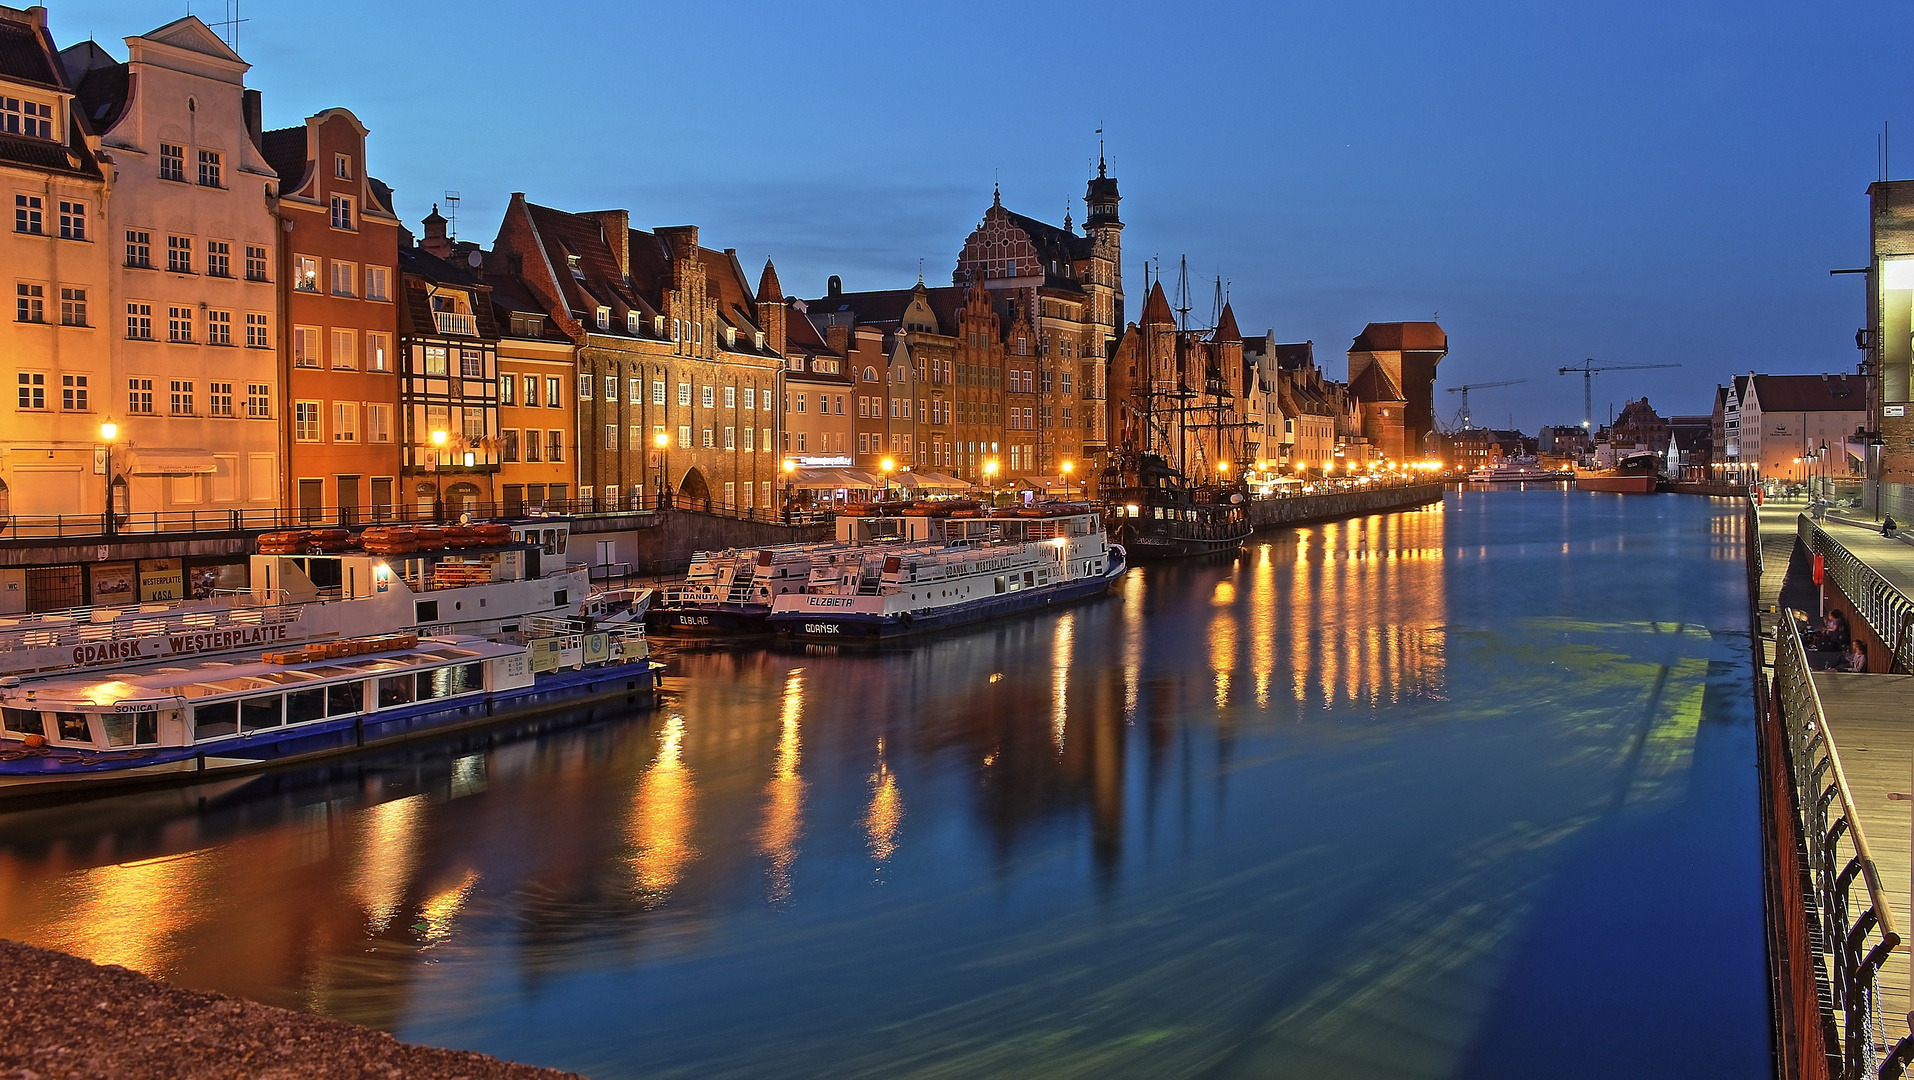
column 463, row 497
column 426, row 494
column 694, row 492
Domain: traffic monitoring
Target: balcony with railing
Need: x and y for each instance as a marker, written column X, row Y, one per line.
column 453, row 323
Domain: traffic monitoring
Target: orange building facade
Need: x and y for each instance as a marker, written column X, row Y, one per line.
column 340, row 273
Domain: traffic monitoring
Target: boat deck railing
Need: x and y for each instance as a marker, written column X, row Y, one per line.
column 1853, row 930
column 103, row 624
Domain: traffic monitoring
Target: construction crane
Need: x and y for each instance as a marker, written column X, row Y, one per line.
column 1588, row 371
column 1467, row 420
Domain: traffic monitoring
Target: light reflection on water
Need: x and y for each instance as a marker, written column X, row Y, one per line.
column 1347, row 806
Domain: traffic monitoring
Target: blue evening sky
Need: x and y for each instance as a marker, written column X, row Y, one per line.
column 1639, row 182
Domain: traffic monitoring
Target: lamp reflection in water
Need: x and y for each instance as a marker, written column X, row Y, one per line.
column 1262, row 625
column 886, row 812
column 662, row 817
column 388, row 853
column 784, row 794
column 1060, row 652
column 132, row 914
column 438, row 911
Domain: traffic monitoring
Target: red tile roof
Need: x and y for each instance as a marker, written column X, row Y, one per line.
column 1403, row 336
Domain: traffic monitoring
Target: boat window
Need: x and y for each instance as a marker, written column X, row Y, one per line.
column 212, row 721
column 259, row 713
column 395, row 690
column 1000, row 583
column 425, row 611
column 1029, row 579
column 21, row 721
column 345, row 698
column 304, row 705
column 131, row 729
column 73, row 727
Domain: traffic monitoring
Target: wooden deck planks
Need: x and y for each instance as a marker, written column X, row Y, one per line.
column 1871, row 720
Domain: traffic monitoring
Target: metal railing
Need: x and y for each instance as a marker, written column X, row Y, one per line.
column 451, row 322
column 1857, row 933
column 1889, row 611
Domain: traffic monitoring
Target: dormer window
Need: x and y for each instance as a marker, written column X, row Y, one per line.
column 730, row 337
column 632, row 322
column 658, row 326
column 341, row 167
column 571, row 262
column 759, row 340
column 33, row 119
column 604, row 318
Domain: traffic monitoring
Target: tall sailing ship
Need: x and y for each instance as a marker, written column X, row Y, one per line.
column 1173, row 418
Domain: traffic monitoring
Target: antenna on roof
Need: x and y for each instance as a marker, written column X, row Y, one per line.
column 230, row 23
column 452, row 215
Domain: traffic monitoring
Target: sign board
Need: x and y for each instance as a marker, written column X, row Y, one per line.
column 597, row 648
column 99, row 461
column 161, row 579
column 1893, row 410
column 114, row 583
column 544, row 655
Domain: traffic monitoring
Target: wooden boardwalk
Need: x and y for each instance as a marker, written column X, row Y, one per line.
column 1871, row 719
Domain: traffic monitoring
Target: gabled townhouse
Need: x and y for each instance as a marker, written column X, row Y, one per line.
column 56, row 255
column 195, row 331
column 448, row 380
column 338, row 272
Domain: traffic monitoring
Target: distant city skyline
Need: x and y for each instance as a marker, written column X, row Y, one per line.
column 1631, row 183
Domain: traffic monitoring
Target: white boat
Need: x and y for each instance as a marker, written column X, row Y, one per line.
column 729, row 592
column 938, row 572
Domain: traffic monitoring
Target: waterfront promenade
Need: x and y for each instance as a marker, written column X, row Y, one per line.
column 1866, row 719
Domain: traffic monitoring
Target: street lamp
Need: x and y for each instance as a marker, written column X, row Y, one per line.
column 438, row 481
column 663, row 442
column 790, row 468
column 1068, row 467
column 886, row 466
column 990, row 474
column 108, row 432
column 1827, row 478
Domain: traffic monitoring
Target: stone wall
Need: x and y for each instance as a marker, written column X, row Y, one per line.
column 1303, row 509
column 663, row 542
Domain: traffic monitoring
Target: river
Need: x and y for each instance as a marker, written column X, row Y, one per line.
column 1459, row 792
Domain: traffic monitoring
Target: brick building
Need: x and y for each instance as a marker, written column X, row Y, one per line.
column 1392, row 373
column 341, row 254
column 537, row 371
column 448, row 388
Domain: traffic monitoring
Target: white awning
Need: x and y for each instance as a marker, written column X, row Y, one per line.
column 172, row 462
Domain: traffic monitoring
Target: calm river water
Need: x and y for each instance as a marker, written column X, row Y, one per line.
column 1463, row 792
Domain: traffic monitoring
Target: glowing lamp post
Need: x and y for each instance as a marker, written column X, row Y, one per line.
column 663, row 442
column 108, row 432
column 790, row 468
column 990, row 475
column 887, row 466
column 438, row 480
column 1068, row 467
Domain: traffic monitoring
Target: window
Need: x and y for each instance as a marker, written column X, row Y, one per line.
column 474, row 425
column 33, row 390
column 72, row 220
column 29, row 215
column 305, row 273
column 508, row 451
column 677, row 330
column 707, row 396
column 181, row 402
column 611, row 388
column 255, row 263
column 632, row 323
column 344, row 276
column 584, row 388
column 748, row 432
column 257, row 334
column 604, row 318
column 73, row 393
column 345, row 421
column 139, row 321
column 1065, row 376
column 532, row 445
column 508, row 389
column 800, row 402
column 34, row 119
column 139, row 248
column 707, row 440
column 341, row 212
column 139, row 396
column 552, row 400
column 471, row 364
column 611, row 436
column 259, row 401
column 730, row 397
column 305, row 421
column 531, row 390
column 635, row 393
column 344, row 350
column 378, row 283
column 684, row 394
column 657, row 392
column 305, row 346
column 750, row 397
column 209, row 168
column 378, row 423
column 684, row 434
column 435, row 360
column 179, row 324
column 172, row 162
column 731, row 438
column 219, row 328
column 378, row 351
column 637, row 436
column 30, row 303
column 219, row 399
column 219, row 259
column 179, row 254
column 555, row 446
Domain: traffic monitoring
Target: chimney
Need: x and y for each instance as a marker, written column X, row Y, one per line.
column 616, row 225
column 436, row 242
column 255, row 127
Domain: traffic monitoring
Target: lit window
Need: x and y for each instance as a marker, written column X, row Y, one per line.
column 345, row 421
column 305, row 421
column 345, row 350
column 305, row 346
column 378, row 351
column 379, row 423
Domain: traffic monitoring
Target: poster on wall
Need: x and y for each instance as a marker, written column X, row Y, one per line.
column 204, row 579
column 161, row 579
column 113, row 583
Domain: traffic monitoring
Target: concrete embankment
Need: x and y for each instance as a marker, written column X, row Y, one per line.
column 1703, row 487
column 1303, row 509
column 69, row 1017
column 663, row 542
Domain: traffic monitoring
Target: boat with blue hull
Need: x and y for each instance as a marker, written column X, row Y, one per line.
column 67, row 735
column 979, row 568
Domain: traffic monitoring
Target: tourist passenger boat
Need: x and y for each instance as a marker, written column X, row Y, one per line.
column 1516, row 472
column 1636, row 474
column 729, row 592
column 938, row 572
column 206, row 718
column 1156, row 514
